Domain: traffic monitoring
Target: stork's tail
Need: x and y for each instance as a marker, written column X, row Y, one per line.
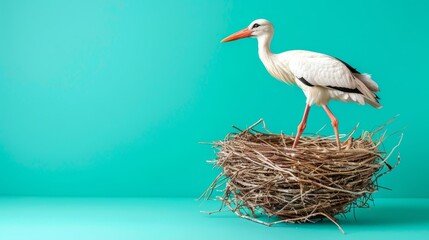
column 375, row 103
column 367, row 80
column 368, row 87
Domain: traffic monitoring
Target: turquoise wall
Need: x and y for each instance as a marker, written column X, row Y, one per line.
column 110, row 98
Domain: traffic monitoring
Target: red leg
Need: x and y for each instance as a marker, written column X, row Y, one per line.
column 301, row 126
column 334, row 122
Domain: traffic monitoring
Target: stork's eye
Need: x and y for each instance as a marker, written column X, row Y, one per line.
column 256, row 25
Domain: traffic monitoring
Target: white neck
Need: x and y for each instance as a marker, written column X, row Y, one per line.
column 264, row 45
column 264, row 51
column 277, row 69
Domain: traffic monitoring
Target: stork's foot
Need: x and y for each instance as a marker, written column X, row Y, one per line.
column 334, row 123
column 295, row 142
column 337, row 135
column 339, row 145
column 300, row 129
column 301, row 126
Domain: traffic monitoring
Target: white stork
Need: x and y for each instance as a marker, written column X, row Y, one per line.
column 320, row 76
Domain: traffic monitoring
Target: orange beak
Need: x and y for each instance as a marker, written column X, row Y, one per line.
column 240, row 34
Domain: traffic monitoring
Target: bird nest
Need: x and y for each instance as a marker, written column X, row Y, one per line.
column 264, row 180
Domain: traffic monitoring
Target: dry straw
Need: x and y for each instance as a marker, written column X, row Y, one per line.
column 264, row 180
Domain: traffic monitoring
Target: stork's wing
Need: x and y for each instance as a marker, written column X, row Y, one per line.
column 315, row 69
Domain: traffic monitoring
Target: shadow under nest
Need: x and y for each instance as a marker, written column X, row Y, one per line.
column 264, row 180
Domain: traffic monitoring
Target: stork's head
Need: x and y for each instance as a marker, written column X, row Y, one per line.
column 257, row 29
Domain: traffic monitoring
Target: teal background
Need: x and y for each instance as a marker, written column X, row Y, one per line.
column 44, row 218
column 111, row 98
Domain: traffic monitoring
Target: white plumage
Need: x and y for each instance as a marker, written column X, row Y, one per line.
column 326, row 76
column 321, row 77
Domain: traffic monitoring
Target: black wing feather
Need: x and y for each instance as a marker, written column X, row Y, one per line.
column 352, row 69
